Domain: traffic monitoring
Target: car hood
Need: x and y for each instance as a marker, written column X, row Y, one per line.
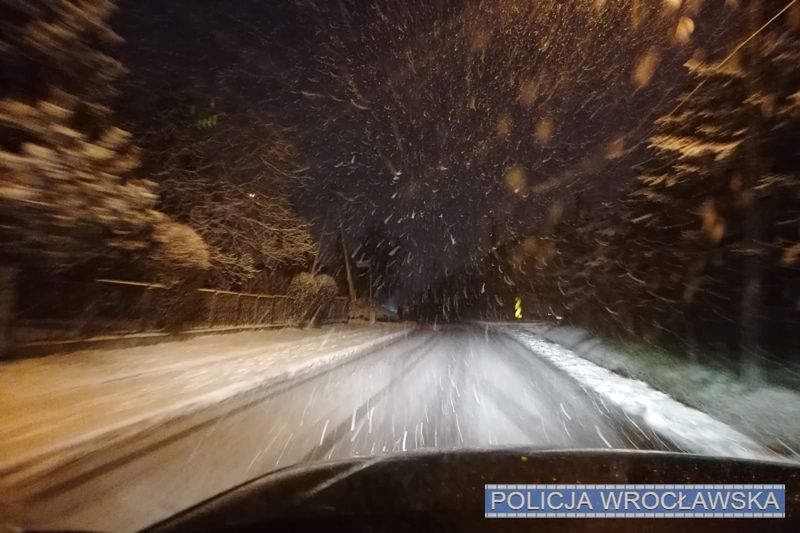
column 445, row 490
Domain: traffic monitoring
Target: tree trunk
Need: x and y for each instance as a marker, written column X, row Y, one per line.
column 751, row 303
column 8, row 289
column 750, row 323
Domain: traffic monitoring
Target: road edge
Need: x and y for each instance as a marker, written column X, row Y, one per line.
column 25, row 471
column 691, row 429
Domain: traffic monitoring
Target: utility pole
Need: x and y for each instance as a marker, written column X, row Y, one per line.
column 371, row 303
column 350, row 286
column 315, row 266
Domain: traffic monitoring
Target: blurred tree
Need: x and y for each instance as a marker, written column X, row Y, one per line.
column 227, row 171
column 704, row 250
column 685, row 211
column 68, row 192
column 250, row 234
column 720, row 168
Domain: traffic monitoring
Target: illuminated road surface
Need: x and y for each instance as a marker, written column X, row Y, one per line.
column 456, row 388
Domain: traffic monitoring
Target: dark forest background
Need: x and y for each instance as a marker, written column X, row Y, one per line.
column 627, row 166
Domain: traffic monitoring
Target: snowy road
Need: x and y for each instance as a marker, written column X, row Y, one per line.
column 455, row 388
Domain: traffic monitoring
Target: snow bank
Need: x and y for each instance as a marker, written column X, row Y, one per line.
column 689, row 429
column 112, row 430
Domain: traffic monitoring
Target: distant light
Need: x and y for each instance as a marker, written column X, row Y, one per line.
column 252, row 195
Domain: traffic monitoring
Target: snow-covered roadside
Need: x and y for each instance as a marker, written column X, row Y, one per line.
column 185, row 392
column 691, row 430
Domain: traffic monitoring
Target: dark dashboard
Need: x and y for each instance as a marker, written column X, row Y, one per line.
column 445, row 492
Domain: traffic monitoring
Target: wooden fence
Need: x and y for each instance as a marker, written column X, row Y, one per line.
column 71, row 311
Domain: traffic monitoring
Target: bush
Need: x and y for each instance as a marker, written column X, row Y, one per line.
column 326, row 288
column 179, row 260
column 311, row 294
column 179, row 252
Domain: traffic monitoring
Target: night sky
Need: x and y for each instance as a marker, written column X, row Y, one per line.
column 433, row 129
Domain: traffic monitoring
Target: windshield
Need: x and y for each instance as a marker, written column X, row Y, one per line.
column 240, row 236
